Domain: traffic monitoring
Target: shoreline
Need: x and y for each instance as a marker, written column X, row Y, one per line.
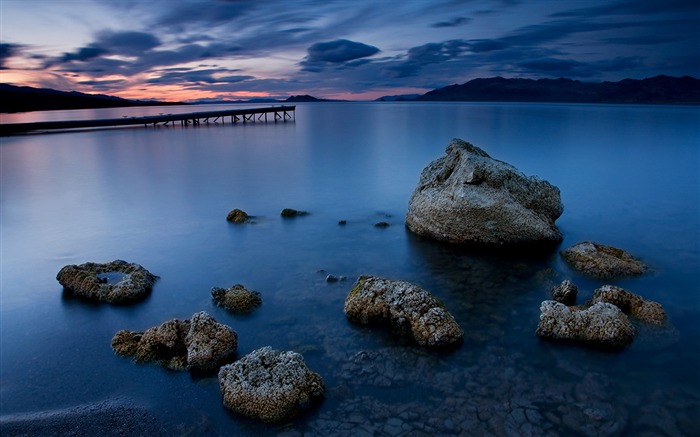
column 110, row 417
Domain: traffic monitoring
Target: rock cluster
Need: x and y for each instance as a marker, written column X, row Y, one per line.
column 270, row 385
column 116, row 282
column 237, row 298
column 198, row 344
column 237, row 216
column 405, row 306
column 565, row 293
column 630, row 303
column 602, row 324
column 602, row 261
column 468, row 197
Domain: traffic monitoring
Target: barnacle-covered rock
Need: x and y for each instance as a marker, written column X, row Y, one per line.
column 270, row 385
column 198, row 344
column 116, row 282
column 602, row 261
column 468, row 197
column 237, row 298
column 565, row 293
column 602, row 324
column 405, row 306
column 630, row 303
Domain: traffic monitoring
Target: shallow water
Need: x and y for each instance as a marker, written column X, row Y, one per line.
column 629, row 177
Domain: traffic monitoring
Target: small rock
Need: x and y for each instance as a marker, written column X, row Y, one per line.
column 343, row 222
column 237, row 216
column 602, row 261
column 381, row 225
column 289, row 212
column 565, row 293
column 237, row 298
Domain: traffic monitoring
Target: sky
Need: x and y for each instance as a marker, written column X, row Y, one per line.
column 206, row 50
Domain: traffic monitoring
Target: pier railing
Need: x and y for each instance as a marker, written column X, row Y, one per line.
column 276, row 113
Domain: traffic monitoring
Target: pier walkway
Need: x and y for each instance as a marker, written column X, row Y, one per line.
column 277, row 113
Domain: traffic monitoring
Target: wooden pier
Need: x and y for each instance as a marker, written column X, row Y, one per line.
column 277, row 113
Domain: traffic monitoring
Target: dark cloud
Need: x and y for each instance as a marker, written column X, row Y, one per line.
column 636, row 7
column 82, row 54
column 427, row 54
column 459, row 21
column 7, row 51
column 127, row 43
column 337, row 52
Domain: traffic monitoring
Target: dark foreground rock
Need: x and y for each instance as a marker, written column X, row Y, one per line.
column 565, row 293
column 237, row 216
column 602, row 324
column 602, row 261
column 630, row 303
column 116, row 282
column 270, row 385
column 405, row 306
column 468, row 197
column 200, row 344
column 237, row 298
column 113, row 417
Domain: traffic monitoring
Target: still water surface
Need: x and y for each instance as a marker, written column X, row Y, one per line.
column 629, row 177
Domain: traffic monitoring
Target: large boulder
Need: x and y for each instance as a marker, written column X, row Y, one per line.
column 468, row 197
column 200, row 344
column 602, row 324
column 405, row 306
column 630, row 303
column 270, row 385
column 116, row 282
column 602, row 261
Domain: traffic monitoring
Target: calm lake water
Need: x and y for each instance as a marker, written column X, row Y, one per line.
column 629, row 177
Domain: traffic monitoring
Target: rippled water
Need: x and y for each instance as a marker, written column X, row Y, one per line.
column 629, row 177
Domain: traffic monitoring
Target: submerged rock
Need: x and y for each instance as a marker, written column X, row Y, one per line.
column 237, row 216
column 565, row 293
column 116, row 282
column 198, row 344
column 237, row 298
column 468, row 197
column 270, row 385
column 289, row 212
column 602, row 324
column 405, row 306
column 602, row 261
column 630, row 303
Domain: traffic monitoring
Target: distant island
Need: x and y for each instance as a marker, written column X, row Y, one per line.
column 654, row 90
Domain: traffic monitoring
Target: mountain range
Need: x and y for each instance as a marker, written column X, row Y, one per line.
column 658, row 90
column 654, row 90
